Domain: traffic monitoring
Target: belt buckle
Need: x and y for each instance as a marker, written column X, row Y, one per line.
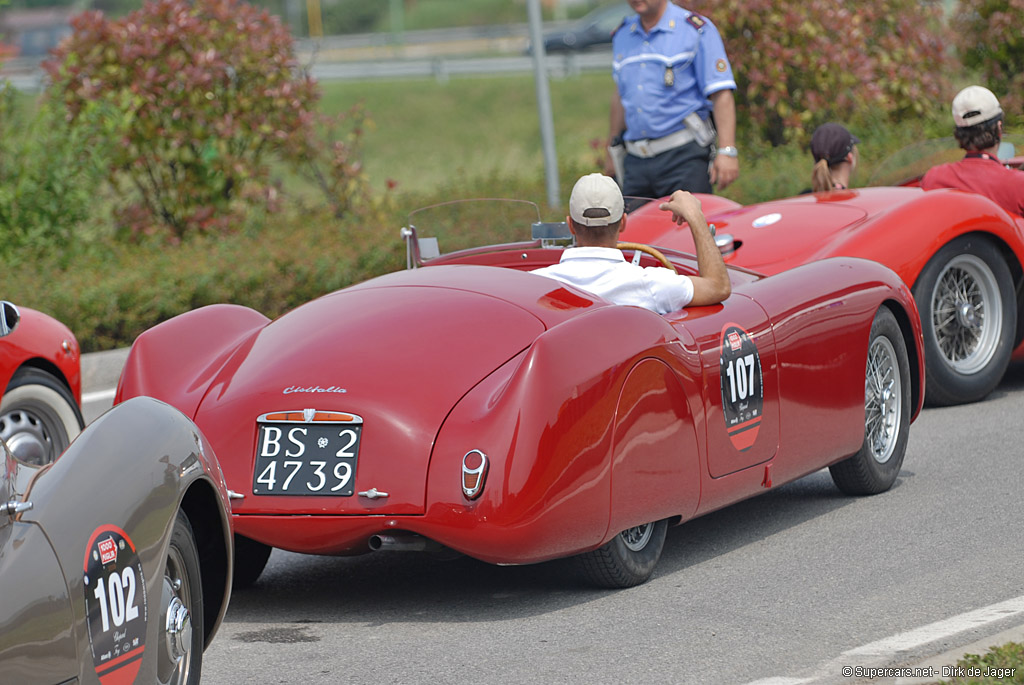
column 644, row 147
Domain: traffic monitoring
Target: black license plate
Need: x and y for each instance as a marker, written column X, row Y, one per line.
column 315, row 455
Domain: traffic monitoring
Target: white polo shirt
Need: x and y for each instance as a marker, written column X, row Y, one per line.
column 606, row 273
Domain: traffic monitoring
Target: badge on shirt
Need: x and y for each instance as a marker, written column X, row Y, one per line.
column 670, row 77
column 721, row 66
column 696, row 21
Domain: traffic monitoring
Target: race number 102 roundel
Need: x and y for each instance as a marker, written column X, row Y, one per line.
column 742, row 388
column 115, row 603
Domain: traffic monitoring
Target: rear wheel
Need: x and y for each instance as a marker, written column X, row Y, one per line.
column 180, row 652
column 38, row 417
column 628, row 559
column 968, row 315
column 887, row 413
column 250, row 560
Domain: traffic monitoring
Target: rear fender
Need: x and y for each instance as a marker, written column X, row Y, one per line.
column 546, row 422
column 177, row 360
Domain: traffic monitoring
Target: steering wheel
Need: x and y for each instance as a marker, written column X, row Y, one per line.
column 653, row 251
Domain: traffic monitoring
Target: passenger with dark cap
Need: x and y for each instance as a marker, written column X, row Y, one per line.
column 835, row 157
column 979, row 130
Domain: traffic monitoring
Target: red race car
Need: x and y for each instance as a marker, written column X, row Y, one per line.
column 41, row 379
column 475, row 406
column 960, row 253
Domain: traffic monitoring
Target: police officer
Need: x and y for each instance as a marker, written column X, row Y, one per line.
column 672, row 74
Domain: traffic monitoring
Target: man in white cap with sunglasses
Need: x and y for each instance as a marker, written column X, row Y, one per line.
column 596, row 217
column 979, row 130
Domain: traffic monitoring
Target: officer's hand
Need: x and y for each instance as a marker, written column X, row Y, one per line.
column 609, row 165
column 724, row 171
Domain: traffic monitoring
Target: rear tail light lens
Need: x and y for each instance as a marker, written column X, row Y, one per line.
column 474, row 473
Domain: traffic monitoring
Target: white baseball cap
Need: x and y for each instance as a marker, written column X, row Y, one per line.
column 595, row 201
column 975, row 105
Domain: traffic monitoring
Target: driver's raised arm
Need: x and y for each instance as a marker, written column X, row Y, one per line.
column 712, row 285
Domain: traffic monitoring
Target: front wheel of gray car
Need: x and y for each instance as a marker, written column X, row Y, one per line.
column 968, row 311
column 180, row 652
column 627, row 559
column 887, row 412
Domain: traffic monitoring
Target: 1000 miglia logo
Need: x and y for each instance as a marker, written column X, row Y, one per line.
column 115, row 603
column 742, row 386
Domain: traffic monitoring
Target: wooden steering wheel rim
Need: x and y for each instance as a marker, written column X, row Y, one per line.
column 653, row 251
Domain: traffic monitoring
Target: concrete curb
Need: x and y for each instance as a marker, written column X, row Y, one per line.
column 1015, row 634
column 100, row 370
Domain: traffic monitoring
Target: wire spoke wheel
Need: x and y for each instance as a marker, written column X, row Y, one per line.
column 887, row 412
column 966, row 313
column 883, row 390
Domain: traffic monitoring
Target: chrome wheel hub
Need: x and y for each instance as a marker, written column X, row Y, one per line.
column 178, row 630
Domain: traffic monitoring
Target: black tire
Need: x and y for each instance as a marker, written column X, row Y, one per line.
column 628, row 559
column 180, row 652
column 969, row 317
column 38, row 417
column 887, row 412
column 250, row 560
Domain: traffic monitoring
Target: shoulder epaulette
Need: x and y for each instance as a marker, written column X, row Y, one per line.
column 621, row 24
column 696, row 21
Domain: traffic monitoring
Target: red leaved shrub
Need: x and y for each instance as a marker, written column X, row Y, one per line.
column 798, row 64
column 200, row 95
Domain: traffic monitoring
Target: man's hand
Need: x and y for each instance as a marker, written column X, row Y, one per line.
column 713, row 284
column 724, row 171
column 684, row 207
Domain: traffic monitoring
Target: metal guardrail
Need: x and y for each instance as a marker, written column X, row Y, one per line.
column 442, row 68
column 560, row 65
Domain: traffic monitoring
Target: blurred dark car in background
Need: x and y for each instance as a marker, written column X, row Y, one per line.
column 589, row 32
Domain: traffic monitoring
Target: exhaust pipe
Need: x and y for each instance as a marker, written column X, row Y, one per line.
column 403, row 542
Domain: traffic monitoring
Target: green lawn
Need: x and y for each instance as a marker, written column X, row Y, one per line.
column 426, row 133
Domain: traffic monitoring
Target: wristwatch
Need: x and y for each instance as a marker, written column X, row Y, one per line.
column 728, row 151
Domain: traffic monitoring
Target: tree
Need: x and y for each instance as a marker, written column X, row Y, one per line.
column 989, row 40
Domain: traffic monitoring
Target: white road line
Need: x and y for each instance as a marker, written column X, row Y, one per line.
column 892, row 646
column 99, row 395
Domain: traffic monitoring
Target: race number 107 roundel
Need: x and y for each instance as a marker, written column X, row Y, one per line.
column 742, row 388
column 115, row 603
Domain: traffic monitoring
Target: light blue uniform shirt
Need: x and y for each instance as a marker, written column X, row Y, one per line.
column 697, row 61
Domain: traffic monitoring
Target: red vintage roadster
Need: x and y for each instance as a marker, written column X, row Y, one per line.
column 960, row 253
column 472, row 405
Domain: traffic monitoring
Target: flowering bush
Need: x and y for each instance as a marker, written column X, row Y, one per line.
column 798, row 64
column 989, row 40
column 205, row 93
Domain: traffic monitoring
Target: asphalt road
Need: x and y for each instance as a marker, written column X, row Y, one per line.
column 786, row 588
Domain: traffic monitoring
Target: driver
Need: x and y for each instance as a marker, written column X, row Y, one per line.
column 596, row 218
column 979, row 129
